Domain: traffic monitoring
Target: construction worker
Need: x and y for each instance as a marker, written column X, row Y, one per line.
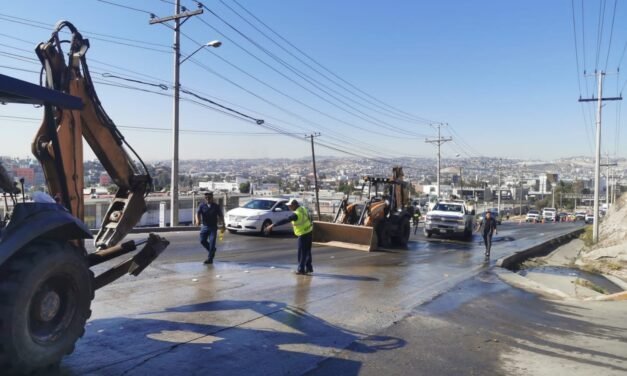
column 416, row 218
column 303, row 228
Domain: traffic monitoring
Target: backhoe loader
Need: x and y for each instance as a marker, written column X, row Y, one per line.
column 382, row 221
column 46, row 284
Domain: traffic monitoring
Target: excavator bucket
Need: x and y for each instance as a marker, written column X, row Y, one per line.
column 361, row 238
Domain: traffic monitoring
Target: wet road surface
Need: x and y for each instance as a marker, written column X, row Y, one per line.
column 486, row 327
column 248, row 314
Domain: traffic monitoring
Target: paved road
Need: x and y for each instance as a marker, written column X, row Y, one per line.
column 248, row 314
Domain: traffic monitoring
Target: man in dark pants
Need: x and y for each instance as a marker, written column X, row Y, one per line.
column 303, row 228
column 207, row 216
column 489, row 228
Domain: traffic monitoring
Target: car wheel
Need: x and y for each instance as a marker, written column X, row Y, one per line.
column 264, row 227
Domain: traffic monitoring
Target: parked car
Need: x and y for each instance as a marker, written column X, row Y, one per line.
column 533, row 216
column 580, row 216
column 257, row 214
column 449, row 219
column 589, row 218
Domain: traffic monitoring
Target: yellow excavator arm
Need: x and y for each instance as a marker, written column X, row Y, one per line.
column 58, row 143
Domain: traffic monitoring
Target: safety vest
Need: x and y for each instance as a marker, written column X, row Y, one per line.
column 302, row 225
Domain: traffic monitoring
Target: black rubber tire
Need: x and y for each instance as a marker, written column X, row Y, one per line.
column 265, row 225
column 403, row 239
column 383, row 235
column 232, row 231
column 42, row 272
column 428, row 233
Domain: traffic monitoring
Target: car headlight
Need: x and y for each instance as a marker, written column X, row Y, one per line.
column 253, row 218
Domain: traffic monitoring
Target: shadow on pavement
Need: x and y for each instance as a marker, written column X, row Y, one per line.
column 252, row 338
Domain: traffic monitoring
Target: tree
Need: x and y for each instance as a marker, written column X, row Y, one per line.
column 346, row 188
column 244, row 187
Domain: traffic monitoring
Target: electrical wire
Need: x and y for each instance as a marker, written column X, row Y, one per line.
column 108, row 83
column 109, row 39
column 196, row 62
column 600, row 25
column 19, row 69
column 583, row 112
column 609, row 47
column 375, row 101
column 622, row 55
column 158, row 129
column 332, row 103
column 309, row 79
column 125, row 6
column 572, row 3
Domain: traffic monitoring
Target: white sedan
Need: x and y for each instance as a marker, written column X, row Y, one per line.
column 258, row 214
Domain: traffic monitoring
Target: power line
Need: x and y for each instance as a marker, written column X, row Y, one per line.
column 375, row 122
column 312, row 81
column 290, row 97
column 622, row 55
column 267, row 126
column 159, row 129
column 600, row 25
column 609, row 47
column 34, row 23
column 360, row 144
column 376, row 102
column 126, row 7
column 572, row 3
column 107, row 39
column 341, row 138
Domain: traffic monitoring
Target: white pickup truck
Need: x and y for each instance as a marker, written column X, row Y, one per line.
column 549, row 214
column 450, row 219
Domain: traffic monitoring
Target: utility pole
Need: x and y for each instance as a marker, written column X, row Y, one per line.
column 461, row 182
column 597, row 164
column 174, row 182
column 607, row 179
column 313, row 158
column 522, row 174
column 498, row 202
column 439, row 141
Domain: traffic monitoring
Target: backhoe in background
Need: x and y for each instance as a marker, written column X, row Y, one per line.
column 46, row 284
column 382, row 221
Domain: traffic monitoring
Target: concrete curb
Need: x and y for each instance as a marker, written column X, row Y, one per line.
column 539, row 250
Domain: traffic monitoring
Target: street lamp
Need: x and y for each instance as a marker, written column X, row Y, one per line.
column 213, row 43
column 174, row 182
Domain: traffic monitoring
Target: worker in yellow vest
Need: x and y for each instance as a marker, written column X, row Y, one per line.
column 303, row 228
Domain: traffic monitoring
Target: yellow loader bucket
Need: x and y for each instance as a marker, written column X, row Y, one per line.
column 361, row 238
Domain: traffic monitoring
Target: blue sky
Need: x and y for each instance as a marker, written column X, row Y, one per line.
column 502, row 74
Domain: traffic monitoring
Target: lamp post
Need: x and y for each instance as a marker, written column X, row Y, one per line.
column 213, row 43
column 174, row 182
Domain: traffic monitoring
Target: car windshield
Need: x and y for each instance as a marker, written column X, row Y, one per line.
column 259, row 204
column 448, row 208
column 533, row 212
